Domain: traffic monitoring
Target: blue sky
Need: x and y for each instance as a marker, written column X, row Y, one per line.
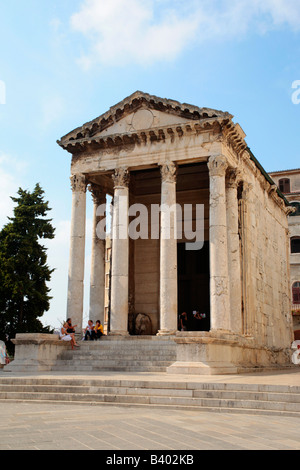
column 65, row 62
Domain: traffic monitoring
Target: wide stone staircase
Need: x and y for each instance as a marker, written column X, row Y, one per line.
column 133, row 353
column 158, row 393
column 131, row 371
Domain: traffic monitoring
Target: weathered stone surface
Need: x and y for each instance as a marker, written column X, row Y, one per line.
column 36, row 352
column 157, row 151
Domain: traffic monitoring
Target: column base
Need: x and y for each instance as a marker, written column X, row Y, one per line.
column 118, row 333
column 166, row 333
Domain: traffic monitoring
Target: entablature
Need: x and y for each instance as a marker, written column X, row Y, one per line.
column 163, row 134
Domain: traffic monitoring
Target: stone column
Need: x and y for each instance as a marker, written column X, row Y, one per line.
column 168, row 252
column 219, row 295
column 248, row 288
column 234, row 258
column 77, row 252
column 120, row 255
column 97, row 283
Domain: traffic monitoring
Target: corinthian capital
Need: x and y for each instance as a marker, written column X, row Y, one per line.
column 78, row 183
column 121, row 177
column 217, row 165
column 234, row 176
column 98, row 195
column 168, row 172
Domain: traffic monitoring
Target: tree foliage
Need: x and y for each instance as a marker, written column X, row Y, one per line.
column 24, row 273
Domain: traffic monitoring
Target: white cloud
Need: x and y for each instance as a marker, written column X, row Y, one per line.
column 145, row 31
column 122, row 32
column 240, row 16
column 283, row 11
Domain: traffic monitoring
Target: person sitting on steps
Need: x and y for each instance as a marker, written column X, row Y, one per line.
column 89, row 331
column 65, row 336
column 98, row 330
column 71, row 328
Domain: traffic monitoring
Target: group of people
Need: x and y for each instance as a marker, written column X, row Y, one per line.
column 91, row 332
column 188, row 322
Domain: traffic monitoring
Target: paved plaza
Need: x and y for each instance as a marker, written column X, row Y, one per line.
column 27, row 426
column 57, row 426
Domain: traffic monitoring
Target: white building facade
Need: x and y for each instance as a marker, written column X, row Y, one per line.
column 288, row 181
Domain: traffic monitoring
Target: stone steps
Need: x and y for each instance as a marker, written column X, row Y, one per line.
column 114, row 366
column 226, row 397
column 79, row 355
column 150, row 354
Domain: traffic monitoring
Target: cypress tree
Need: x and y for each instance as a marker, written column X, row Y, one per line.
column 24, row 273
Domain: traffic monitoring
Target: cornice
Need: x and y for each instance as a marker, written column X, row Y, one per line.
column 219, row 126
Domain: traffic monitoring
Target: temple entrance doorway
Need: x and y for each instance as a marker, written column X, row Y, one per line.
column 193, row 287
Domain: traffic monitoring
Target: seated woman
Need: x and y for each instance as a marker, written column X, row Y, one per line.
column 71, row 328
column 98, row 330
column 65, row 336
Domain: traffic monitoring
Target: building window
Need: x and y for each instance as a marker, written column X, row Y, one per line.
column 284, row 185
column 295, row 245
column 297, row 205
column 296, row 292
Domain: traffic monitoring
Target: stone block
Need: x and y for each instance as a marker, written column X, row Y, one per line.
column 36, row 352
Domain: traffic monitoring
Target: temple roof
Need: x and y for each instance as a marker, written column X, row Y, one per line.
column 184, row 112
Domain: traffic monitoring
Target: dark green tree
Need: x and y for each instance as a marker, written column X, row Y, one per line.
column 24, row 273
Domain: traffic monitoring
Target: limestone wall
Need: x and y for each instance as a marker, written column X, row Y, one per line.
column 267, row 260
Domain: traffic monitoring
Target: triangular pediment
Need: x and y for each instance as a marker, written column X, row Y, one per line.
column 140, row 111
column 143, row 118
